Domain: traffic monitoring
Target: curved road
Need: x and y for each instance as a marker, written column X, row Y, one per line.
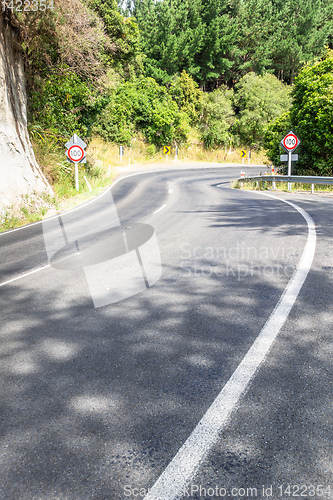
column 97, row 401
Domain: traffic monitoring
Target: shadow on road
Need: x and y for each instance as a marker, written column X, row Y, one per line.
column 97, row 399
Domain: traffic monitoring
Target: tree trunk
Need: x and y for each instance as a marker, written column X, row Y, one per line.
column 19, row 171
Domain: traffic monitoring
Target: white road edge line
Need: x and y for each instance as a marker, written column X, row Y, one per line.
column 83, row 205
column 38, row 269
column 72, row 210
column 159, row 209
column 24, row 275
column 109, row 189
column 173, row 482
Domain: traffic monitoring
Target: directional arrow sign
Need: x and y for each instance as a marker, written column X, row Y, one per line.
column 290, row 142
column 243, row 153
column 166, row 150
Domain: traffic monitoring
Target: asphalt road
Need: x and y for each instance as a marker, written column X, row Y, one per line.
column 97, row 401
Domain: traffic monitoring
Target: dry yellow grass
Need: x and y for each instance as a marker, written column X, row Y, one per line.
column 106, row 155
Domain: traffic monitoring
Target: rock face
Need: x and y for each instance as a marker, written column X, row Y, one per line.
column 19, row 171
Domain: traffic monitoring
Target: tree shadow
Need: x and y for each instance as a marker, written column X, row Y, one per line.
column 97, row 399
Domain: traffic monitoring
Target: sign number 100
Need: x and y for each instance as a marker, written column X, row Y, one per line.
column 290, row 141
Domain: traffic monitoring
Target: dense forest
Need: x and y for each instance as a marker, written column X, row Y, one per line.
column 230, row 72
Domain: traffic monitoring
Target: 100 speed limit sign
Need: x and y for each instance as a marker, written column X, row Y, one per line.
column 290, row 142
column 75, row 153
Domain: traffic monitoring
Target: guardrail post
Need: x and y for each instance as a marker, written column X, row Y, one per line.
column 303, row 179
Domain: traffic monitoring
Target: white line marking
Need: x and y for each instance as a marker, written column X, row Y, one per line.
column 24, row 275
column 172, row 484
column 159, row 209
column 38, row 269
column 83, row 205
column 110, row 188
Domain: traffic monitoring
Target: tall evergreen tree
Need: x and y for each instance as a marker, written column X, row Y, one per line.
column 172, row 32
column 301, row 31
column 219, row 41
column 213, row 58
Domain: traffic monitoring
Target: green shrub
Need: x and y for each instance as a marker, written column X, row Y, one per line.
column 273, row 135
column 311, row 118
column 151, row 150
column 62, row 104
column 217, row 117
column 142, row 105
column 258, row 101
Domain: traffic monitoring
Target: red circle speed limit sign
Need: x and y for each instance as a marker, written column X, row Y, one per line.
column 75, row 153
column 290, row 142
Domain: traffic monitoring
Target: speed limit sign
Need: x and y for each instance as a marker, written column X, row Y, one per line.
column 75, row 153
column 290, row 142
column 76, row 150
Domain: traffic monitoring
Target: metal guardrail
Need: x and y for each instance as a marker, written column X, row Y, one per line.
column 291, row 179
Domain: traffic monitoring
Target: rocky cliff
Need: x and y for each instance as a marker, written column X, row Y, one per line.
column 19, row 171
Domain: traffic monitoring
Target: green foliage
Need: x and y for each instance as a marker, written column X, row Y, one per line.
column 142, row 105
column 187, row 95
column 85, row 60
column 172, row 32
column 312, row 115
column 253, row 26
column 217, row 116
column 70, row 53
column 218, row 41
column 274, row 133
column 151, row 150
column 123, row 43
column 301, row 30
column 259, row 100
column 62, row 103
column 212, row 58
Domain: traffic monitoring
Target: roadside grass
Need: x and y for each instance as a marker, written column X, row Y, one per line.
column 143, row 153
column 280, row 186
column 28, row 209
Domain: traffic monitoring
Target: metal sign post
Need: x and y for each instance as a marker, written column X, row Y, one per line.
column 76, row 154
column 290, row 142
column 121, row 152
